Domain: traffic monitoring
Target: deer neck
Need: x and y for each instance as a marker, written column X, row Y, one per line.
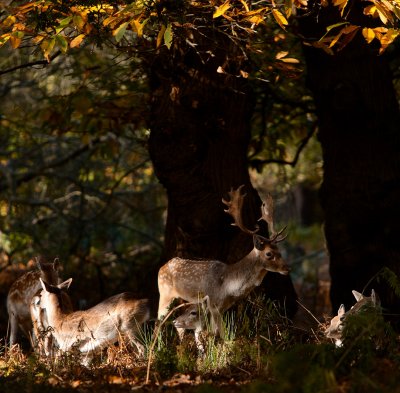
column 245, row 275
column 54, row 310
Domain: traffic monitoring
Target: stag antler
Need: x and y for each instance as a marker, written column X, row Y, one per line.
column 235, row 209
column 267, row 214
column 235, row 205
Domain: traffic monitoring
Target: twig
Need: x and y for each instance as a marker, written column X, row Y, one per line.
column 305, row 308
column 31, row 64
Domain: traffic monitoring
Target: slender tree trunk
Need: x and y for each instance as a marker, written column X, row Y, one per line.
column 359, row 132
column 200, row 121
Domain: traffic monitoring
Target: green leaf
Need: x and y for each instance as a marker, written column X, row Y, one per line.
column 62, row 43
column 168, row 36
column 119, row 32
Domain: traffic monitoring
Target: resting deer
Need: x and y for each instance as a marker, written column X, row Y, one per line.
column 336, row 326
column 223, row 284
column 115, row 319
column 20, row 296
column 195, row 317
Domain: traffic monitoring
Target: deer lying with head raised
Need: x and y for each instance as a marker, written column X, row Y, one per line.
column 117, row 318
column 20, row 296
column 223, row 284
column 336, row 326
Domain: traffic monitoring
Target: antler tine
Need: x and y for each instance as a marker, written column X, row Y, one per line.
column 235, row 209
column 267, row 213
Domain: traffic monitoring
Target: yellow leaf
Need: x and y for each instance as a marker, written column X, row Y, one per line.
column 16, row 39
column 256, row 19
column 341, row 4
column 221, row 9
column 47, row 46
column 335, row 39
column 371, row 10
column 77, row 40
column 291, row 60
column 279, row 55
column 160, row 36
column 246, row 7
column 368, row 34
column 135, row 23
column 282, row 21
column 9, row 21
column 387, row 39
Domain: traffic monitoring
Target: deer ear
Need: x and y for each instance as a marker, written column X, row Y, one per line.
column 56, row 264
column 37, row 259
column 375, row 298
column 45, row 286
column 65, row 284
column 357, row 295
column 259, row 242
column 205, row 302
column 341, row 310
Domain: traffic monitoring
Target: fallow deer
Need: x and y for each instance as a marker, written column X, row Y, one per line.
column 20, row 296
column 336, row 326
column 45, row 343
column 224, row 284
column 115, row 319
column 195, row 317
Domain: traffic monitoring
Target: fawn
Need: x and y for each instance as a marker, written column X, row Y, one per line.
column 336, row 326
column 20, row 296
column 194, row 318
column 223, row 284
column 115, row 319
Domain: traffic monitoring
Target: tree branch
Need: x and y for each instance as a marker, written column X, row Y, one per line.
column 44, row 63
column 258, row 164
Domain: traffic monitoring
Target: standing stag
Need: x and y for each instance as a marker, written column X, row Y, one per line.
column 20, row 296
column 115, row 319
column 224, row 284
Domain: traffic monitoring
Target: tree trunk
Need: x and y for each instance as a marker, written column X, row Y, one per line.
column 359, row 132
column 200, row 130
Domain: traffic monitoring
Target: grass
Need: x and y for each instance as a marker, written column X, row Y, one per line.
column 262, row 352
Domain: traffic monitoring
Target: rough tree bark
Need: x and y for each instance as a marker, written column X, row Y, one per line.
column 359, row 121
column 200, row 132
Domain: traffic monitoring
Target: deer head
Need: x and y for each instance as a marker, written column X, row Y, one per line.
column 266, row 248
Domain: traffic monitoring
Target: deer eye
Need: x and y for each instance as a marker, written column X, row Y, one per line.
column 269, row 254
column 193, row 313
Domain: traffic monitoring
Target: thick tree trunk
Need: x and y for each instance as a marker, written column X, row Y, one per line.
column 359, row 132
column 199, row 138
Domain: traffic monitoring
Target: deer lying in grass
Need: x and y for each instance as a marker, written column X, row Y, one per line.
column 336, row 326
column 115, row 319
column 20, row 296
column 223, row 284
column 195, row 317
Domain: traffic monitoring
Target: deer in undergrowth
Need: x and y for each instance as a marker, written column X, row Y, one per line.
column 336, row 325
column 224, row 284
column 195, row 317
column 117, row 318
column 20, row 296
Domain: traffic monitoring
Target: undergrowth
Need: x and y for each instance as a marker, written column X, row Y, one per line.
column 261, row 347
